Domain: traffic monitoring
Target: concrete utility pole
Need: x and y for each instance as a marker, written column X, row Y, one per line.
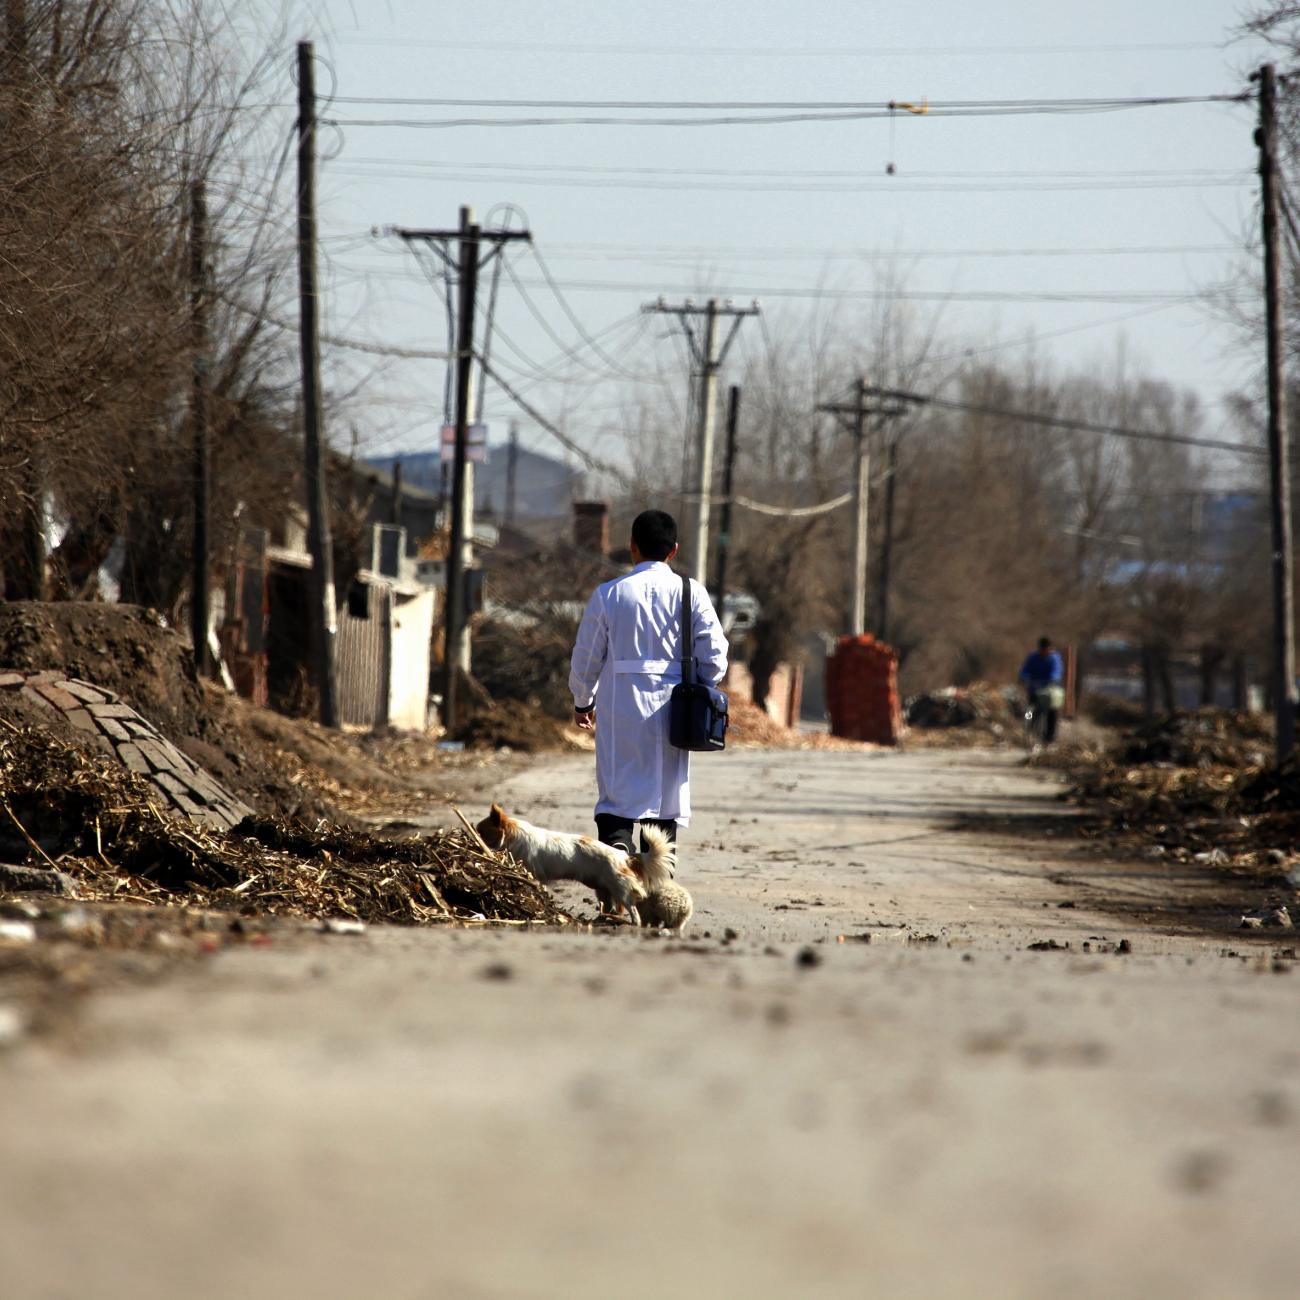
column 470, row 237
column 708, row 358
column 1284, row 683
column 855, row 418
column 321, row 614
column 728, row 482
column 887, row 542
column 200, row 597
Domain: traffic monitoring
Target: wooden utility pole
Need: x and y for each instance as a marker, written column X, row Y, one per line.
column 395, row 514
column 200, row 597
column 1284, row 683
column 321, row 611
column 728, row 483
column 512, row 474
column 854, row 416
column 456, row 621
column 469, row 237
column 709, row 358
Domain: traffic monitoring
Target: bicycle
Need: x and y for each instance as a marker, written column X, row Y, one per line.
column 1038, row 710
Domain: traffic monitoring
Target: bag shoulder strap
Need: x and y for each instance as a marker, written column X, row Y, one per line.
column 688, row 674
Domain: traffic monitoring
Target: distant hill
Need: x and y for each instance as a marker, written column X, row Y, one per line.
column 545, row 488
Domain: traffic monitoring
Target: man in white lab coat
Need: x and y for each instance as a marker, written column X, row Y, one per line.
column 626, row 661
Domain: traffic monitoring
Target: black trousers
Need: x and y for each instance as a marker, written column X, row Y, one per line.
column 622, row 830
column 1052, row 717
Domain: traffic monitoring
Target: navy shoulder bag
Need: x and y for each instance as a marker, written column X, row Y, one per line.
column 697, row 714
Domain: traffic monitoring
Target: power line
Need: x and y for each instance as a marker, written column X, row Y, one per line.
column 778, row 51
column 907, row 295
column 1008, row 108
column 1060, row 422
column 644, row 252
column 590, row 461
column 884, row 108
column 336, row 340
column 576, row 321
column 785, row 173
column 875, row 185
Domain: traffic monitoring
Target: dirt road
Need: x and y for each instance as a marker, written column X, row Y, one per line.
column 929, row 1108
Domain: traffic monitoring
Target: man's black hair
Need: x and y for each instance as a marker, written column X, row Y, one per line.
column 1044, row 642
column 655, row 534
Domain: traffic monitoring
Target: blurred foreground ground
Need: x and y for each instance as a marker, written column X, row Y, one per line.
column 919, row 1041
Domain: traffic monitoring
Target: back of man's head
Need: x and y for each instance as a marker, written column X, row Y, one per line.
column 1044, row 644
column 655, row 534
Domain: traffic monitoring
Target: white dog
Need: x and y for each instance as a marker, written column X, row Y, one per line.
column 620, row 881
column 668, row 907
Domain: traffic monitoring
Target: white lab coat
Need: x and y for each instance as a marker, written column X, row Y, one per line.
column 627, row 658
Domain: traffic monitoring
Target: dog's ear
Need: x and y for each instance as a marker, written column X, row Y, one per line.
column 498, row 814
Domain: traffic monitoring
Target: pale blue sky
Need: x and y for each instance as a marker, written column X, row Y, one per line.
column 782, row 212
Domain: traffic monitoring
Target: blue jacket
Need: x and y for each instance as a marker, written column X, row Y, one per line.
column 1042, row 670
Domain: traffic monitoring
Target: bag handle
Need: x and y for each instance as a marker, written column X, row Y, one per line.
column 688, row 661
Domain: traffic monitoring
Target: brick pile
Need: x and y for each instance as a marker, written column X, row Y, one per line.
column 862, row 691
column 104, row 721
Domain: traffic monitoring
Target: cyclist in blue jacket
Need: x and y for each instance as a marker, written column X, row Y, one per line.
column 1041, row 671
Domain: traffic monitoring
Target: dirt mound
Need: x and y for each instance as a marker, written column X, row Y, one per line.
column 291, row 767
column 1206, row 737
column 513, row 725
column 83, row 812
column 126, row 649
column 753, row 728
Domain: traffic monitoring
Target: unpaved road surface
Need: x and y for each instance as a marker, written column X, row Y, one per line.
column 938, row 1111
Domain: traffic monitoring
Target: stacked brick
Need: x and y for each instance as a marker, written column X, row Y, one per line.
column 104, row 721
column 862, row 691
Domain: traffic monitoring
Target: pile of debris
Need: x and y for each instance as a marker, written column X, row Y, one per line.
column 978, row 714
column 1204, row 738
column 1196, row 787
column 73, row 810
column 512, row 726
column 754, row 728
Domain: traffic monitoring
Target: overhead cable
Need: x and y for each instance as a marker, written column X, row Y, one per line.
column 1061, row 422
column 590, row 461
column 1008, row 108
column 773, row 51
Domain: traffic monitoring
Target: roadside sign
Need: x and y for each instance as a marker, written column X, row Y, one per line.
column 476, row 436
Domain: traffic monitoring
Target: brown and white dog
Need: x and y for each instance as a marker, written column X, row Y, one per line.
column 620, row 881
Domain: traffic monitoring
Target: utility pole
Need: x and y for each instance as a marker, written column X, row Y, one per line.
column 708, row 358
column 456, row 623
column 200, row 597
column 469, row 237
column 728, row 481
column 857, row 413
column 512, row 472
column 395, row 514
column 1284, row 683
column 321, row 606
column 887, row 543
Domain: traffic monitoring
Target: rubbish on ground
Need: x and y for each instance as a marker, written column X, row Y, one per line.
column 1267, row 918
column 978, row 714
column 334, row 926
column 17, row 932
column 12, row 1025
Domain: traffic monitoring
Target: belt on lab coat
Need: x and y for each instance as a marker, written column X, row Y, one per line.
column 655, row 667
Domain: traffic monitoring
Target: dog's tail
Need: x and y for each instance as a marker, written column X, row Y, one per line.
column 654, row 864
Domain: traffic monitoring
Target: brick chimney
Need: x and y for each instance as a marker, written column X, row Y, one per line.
column 591, row 526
